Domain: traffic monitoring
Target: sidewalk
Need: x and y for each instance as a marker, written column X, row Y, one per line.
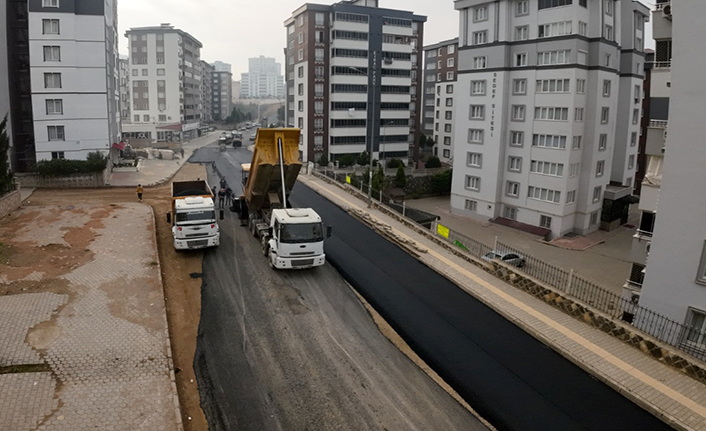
column 603, row 257
column 677, row 399
column 84, row 341
column 154, row 171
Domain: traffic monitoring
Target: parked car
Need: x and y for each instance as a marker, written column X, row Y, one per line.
column 513, row 259
column 252, row 138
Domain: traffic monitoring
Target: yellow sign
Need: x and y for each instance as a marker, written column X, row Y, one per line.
column 442, row 230
column 348, row 179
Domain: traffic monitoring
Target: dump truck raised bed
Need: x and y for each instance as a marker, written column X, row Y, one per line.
column 193, row 216
column 290, row 237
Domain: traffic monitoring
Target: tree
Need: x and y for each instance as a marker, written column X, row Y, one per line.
column 400, row 177
column 395, row 163
column 5, row 172
column 363, row 159
column 280, row 113
column 433, row 162
column 323, row 161
column 422, row 141
column 379, row 179
column 346, row 160
column 430, row 142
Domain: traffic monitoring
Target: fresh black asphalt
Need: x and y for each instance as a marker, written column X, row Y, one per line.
column 510, row 378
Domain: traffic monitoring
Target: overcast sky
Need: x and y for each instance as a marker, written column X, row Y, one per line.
column 235, row 30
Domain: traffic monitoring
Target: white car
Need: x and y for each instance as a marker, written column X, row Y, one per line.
column 513, row 259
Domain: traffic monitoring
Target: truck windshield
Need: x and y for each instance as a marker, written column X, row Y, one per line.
column 299, row 233
column 193, row 216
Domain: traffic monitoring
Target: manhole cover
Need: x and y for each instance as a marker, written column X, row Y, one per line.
column 196, row 275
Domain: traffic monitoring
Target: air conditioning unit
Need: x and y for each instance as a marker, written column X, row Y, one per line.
column 667, row 11
column 635, row 297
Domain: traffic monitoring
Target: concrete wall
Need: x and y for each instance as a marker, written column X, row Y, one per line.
column 9, row 203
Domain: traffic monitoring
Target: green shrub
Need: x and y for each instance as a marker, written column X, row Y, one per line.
column 400, row 177
column 441, row 183
column 433, row 162
column 395, row 163
column 95, row 162
column 347, row 160
column 323, row 161
column 363, row 158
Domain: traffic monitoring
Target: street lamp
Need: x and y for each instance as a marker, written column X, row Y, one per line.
column 370, row 136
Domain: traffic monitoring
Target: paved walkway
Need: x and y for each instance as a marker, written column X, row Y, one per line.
column 84, row 341
column 606, row 262
column 677, row 399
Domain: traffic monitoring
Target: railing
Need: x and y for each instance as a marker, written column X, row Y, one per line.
column 644, row 234
column 635, row 284
column 660, row 6
column 659, row 124
column 661, row 65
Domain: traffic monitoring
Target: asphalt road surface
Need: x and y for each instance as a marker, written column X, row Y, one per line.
column 296, row 350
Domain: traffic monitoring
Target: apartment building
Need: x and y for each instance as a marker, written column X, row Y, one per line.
column 551, row 98
column 5, row 79
column 206, row 92
column 263, row 80
column 124, row 85
column 236, row 91
column 166, row 77
column 440, row 73
column 220, row 66
column 352, row 79
column 221, row 94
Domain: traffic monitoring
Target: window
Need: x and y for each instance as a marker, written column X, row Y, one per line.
column 514, row 164
column 477, row 112
column 549, row 141
column 517, row 139
column 480, row 14
column 521, row 59
column 450, row 49
column 447, row 140
column 701, row 276
column 318, row 124
column 50, row 26
column 471, row 205
column 574, row 169
column 581, row 86
column 477, row 88
column 518, row 112
column 474, row 160
column 300, row 89
column 553, row 85
column 519, row 86
column 479, row 62
column 448, row 115
column 319, row 72
column 553, row 57
column 318, row 90
column 300, row 20
column 512, row 189
column 551, row 114
column 450, row 62
column 522, row 32
column 583, row 28
column 578, row 114
column 480, row 37
column 545, row 4
column 547, row 168
column 576, row 144
column 602, row 142
column 638, row 93
column 545, row 221
column 146, row 118
column 446, row 153
column 609, row 7
column 545, row 195
column 135, row 72
column 447, row 128
column 300, row 71
column 300, row 37
column 695, row 321
column 635, row 116
column 631, row 161
column 449, row 89
column 319, row 54
column 605, row 115
column 606, row 88
column 57, row 155
column 56, row 133
column 300, row 105
column 137, row 118
column 300, row 55
column 55, row 107
column 571, row 197
column 522, row 8
column 475, row 136
column 52, row 80
column 449, row 76
column 597, row 193
column 50, row 3
column 472, row 183
column 554, row 29
column 633, row 139
column 52, row 53
column 608, row 60
column 145, row 72
column 449, row 101
column 600, row 167
column 162, row 118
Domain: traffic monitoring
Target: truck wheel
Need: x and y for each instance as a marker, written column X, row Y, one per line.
column 266, row 249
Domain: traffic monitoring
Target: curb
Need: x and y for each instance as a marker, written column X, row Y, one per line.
column 170, row 359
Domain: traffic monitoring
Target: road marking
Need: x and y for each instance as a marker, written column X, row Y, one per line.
column 602, row 353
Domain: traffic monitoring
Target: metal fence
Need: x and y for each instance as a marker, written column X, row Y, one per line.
column 690, row 340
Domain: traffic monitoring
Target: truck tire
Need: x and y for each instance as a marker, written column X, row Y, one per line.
column 265, row 247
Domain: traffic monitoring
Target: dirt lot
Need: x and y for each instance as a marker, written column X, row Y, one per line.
column 182, row 292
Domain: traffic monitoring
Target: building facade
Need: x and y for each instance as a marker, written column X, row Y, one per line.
column 221, row 95
column 5, row 108
column 73, row 79
column 206, row 92
column 351, row 76
column 166, row 77
column 440, row 73
column 220, row 66
column 236, row 91
column 125, row 87
column 263, row 80
column 551, row 96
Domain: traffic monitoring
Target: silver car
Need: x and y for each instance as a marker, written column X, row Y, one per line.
column 513, row 259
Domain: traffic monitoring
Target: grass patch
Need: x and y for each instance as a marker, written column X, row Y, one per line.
column 28, row 368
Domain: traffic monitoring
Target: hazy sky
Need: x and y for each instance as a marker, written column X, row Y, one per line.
column 234, row 30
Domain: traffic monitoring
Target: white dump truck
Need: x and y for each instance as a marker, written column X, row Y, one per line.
column 193, row 216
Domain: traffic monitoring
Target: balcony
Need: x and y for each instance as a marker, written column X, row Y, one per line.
column 661, row 65
column 658, row 124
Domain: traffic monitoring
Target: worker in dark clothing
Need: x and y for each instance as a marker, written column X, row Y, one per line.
column 229, row 195
column 224, row 184
column 213, row 189
column 221, row 197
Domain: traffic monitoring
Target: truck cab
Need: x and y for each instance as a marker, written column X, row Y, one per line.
column 296, row 240
column 195, row 224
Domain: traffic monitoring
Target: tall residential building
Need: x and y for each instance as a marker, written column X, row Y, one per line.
column 125, row 87
column 206, row 92
column 440, row 74
column 551, row 98
column 5, row 79
column 351, row 75
column 236, row 91
column 263, row 80
column 222, row 96
column 59, row 67
column 165, row 71
column 220, row 66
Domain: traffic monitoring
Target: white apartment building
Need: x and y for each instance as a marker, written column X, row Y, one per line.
column 166, row 78
column 675, row 277
column 440, row 74
column 352, row 79
column 540, row 106
column 73, row 51
column 264, row 79
column 125, row 87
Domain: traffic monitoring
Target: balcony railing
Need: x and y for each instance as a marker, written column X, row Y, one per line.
column 644, row 234
column 660, row 6
column 659, row 124
column 657, row 65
